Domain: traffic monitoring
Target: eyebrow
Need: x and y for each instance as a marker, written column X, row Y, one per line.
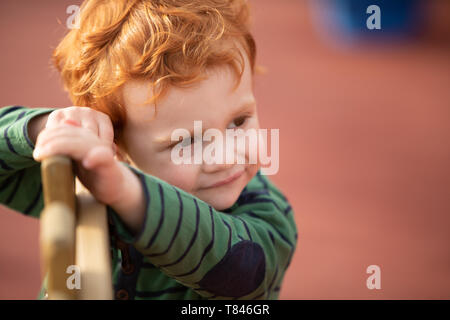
column 244, row 108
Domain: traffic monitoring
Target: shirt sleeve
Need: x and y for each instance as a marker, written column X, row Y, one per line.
column 242, row 252
column 20, row 174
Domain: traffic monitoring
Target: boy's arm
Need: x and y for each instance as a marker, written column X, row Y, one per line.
column 243, row 253
column 20, row 176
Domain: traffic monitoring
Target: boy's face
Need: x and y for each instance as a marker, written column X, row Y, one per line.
column 212, row 101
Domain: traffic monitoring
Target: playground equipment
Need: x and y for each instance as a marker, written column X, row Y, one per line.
column 74, row 237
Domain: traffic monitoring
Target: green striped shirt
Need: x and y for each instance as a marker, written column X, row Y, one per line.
column 186, row 249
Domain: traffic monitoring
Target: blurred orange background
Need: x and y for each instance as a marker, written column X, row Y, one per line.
column 364, row 148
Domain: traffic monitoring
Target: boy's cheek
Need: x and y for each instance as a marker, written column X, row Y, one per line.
column 181, row 176
column 252, row 169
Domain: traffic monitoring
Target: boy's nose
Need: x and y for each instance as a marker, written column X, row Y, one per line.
column 222, row 159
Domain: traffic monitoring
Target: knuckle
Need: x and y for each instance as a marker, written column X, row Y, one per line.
column 71, row 109
column 103, row 119
column 55, row 115
column 86, row 110
column 103, row 116
column 77, row 111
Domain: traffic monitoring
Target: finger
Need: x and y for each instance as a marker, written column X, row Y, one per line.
column 72, row 123
column 54, row 118
column 73, row 147
column 58, row 131
column 105, row 129
column 100, row 156
column 69, row 113
column 91, row 124
column 77, row 116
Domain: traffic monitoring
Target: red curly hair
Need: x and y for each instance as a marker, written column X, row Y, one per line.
column 169, row 42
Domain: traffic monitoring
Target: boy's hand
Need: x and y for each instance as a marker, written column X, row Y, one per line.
column 86, row 136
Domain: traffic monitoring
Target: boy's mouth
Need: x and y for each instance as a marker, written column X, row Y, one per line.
column 228, row 180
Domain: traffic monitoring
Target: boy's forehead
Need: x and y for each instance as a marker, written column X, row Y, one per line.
column 212, row 98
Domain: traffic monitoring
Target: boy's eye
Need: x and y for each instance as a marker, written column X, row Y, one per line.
column 237, row 122
column 184, row 143
column 187, row 141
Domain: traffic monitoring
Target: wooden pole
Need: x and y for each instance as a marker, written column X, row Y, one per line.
column 92, row 247
column 57, row 224
column 74, row 232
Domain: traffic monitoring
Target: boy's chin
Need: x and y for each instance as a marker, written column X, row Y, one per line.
column 223, row 198
column 223, row 201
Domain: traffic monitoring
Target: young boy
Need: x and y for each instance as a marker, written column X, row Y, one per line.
column 143, row 69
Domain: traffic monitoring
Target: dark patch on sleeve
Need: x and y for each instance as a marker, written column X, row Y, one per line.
column 239, row 273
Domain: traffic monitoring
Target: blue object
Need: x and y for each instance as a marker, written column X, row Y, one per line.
column 348, row 18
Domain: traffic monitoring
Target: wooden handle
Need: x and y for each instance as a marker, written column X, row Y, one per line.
column 58, row 181
column 57, row 225
column 92, row 247
column 74, row 232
